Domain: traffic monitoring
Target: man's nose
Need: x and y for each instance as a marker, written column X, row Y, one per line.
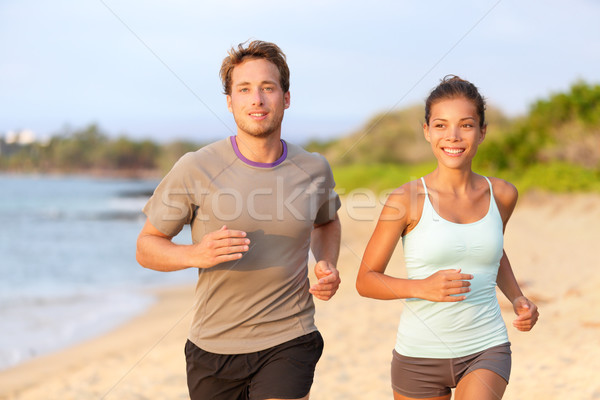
column 257, row 98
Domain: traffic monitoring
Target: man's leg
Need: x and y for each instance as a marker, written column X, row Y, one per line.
column 304, row 398
column 216, row 376
column 287, row 370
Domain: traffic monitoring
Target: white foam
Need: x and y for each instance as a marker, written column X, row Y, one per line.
column 34, row 326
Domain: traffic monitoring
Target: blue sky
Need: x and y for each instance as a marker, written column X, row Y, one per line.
column 150, row 68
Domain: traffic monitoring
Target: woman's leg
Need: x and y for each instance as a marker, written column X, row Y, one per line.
column 480, row 384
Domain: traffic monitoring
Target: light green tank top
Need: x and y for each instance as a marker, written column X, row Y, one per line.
column 453, row 329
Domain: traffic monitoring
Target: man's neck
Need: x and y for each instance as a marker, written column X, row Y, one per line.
column 260, row 149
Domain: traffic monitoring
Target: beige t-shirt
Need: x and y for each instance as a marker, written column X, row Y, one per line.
column 261, row 300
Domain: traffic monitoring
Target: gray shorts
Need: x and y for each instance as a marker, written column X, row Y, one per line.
column 432, row 377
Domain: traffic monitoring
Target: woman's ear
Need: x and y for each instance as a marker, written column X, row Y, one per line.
column 426, row 132
column 483, row 132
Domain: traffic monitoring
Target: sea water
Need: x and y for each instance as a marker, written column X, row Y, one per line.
column 67, row 261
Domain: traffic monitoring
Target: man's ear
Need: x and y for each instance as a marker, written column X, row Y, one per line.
column 229, row 104
column 286, row 100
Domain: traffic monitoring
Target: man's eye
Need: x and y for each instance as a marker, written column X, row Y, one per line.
column 268, row 89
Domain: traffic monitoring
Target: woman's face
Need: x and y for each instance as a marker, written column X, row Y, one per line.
column 453, row 131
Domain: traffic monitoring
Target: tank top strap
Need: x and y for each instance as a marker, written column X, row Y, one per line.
column 493, row 205
column 425, row 186
column 492, row 199
column 489, row 183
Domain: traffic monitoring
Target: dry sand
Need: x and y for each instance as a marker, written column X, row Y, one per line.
column 552, row 242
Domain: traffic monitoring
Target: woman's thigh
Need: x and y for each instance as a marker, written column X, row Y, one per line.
column 480, row 384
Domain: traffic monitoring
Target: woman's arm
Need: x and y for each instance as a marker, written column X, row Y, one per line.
column 506, row 196
column 371, row 280
column 394, row 220
column 526, row 310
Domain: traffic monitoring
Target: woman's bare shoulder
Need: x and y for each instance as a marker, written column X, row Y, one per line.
column 406, row 203
column 506, row 195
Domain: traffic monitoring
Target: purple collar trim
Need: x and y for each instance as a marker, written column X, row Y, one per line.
column 239, row 154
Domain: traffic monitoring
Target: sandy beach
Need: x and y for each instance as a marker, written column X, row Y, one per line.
column 551, row 241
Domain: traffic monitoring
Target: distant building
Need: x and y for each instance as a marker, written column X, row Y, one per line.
column 13, row 140
column 23, row 137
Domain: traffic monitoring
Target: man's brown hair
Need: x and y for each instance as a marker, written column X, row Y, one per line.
column 255, row 50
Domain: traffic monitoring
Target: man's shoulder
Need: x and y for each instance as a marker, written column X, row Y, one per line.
column 211, row 153
column 305, row 159
column 220, row 148
column 206, row 162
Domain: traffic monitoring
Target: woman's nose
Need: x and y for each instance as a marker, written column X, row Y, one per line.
column 453, row 133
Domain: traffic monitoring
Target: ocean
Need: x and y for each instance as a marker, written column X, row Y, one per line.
column 67, row 261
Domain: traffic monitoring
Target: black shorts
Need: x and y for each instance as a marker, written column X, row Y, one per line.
column 433, row 377
column 285, row 371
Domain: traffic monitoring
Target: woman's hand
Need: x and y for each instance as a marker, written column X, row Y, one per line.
column 444, row 286
column 527, row 314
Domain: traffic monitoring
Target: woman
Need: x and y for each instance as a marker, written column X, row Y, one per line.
column 451, row 333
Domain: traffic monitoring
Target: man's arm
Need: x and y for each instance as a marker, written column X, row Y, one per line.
column 325, row 246
column 156, row 250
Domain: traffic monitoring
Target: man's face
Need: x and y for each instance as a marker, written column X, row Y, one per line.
column 257, row 100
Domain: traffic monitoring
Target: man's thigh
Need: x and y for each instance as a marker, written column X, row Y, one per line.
column 215, row 376
column 288, row 370
column 285, row 371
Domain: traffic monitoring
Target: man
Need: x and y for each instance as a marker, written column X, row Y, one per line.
column 256, row 206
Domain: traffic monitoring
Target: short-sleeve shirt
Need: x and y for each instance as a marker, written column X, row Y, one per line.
column 261, row 300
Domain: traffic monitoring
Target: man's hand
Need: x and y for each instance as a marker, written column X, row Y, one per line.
column 220, row 246
column 156, row 251
column 328, row 281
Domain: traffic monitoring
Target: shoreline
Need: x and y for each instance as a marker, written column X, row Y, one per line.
column 550, row 240
column 138, row 333
column 133, row 174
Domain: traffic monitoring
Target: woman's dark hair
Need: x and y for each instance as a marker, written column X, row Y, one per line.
column 452, row 87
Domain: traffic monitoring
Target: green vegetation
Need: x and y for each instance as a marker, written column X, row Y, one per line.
column 555, row 176
column 554, row 147
column 89, row 150
column 378, row 177
column 565, row 127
